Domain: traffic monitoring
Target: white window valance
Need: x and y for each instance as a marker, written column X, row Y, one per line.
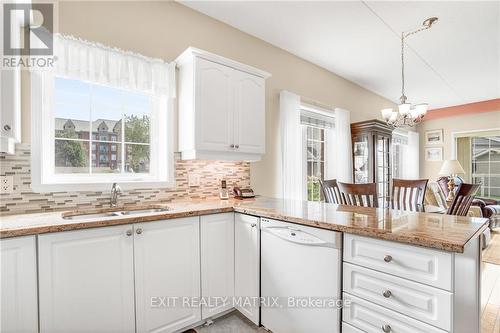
column 89, row 61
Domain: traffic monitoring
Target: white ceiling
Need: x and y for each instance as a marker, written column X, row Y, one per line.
column 455, row 62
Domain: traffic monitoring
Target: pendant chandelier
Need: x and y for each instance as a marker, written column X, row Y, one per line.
column 407, row 115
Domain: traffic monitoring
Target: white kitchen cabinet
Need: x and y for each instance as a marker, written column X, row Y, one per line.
column 10, row 91
column 217, row 263
column 247, row 264
column 86, row 280
column 406, row 288
column 221, row 108
column 167, row 263
column 18, row 296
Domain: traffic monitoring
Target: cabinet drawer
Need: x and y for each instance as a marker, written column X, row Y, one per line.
column 418, row 301
column 371, row 318
column 346, row 328
column 419, row 264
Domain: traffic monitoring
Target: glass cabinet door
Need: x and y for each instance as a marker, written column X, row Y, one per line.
column 361, row 152
column 383, row 168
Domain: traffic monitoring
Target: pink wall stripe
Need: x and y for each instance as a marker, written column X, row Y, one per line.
column 461, row 110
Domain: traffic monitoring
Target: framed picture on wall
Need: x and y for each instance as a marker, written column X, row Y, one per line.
column 434, row 154
column 434, row 137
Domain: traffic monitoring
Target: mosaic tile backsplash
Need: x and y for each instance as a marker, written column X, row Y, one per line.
column 23, row 200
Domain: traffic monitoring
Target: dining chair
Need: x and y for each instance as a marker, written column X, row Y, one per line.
column 364, row 195
column 408, row 194
column 331, row 191
column 463, row 199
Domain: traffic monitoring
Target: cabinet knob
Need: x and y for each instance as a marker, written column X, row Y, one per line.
column 139, row 231
column 387, row 293
column 386, row 328
column 129, row 232
column 7, row 127
column 253, row 225
column 387, row 258
column 237, row 146
column 231, row 145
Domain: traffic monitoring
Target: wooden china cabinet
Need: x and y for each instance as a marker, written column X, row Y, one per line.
column 371, row 146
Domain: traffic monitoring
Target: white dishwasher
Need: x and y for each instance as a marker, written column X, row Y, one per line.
column 300, row 267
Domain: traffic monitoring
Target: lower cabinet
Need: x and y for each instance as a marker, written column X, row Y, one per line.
column 86, row 280
column 247, row 265
column 18, row 296
column 217, row 263
column 167, row 274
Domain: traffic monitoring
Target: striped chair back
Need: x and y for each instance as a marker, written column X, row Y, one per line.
column 463, row 199
column 408, row 194
column 331, row 191
column 364, row 195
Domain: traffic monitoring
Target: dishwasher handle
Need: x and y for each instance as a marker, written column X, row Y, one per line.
column 298, row 236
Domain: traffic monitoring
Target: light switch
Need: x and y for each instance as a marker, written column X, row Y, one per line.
column 193, row 179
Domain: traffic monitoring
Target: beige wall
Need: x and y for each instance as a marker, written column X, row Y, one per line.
column 470, row 122
column 165, row 29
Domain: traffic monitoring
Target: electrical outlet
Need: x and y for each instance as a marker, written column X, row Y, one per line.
column 193, row 180
column 6, row 184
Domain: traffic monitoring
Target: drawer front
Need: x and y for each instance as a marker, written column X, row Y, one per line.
column 419, row 264
column 418, row 301
column 346, row 328
column 371, row 318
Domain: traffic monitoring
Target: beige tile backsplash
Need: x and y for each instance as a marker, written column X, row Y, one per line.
column 23, row 200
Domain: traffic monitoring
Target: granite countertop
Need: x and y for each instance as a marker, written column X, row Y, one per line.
column 443, row 232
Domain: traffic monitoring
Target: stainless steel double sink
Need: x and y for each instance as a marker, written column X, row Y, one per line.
column 132, row 211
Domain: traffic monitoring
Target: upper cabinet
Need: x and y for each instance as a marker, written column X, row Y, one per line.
column 221, row 108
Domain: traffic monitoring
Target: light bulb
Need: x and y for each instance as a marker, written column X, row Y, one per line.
column 386, row 113
column 421, row 109
column 404, row 109
column 393, row 117
column 414, row 113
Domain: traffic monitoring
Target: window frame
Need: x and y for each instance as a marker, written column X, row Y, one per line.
column 321, row 112
column 45, row 179
column 469, row 133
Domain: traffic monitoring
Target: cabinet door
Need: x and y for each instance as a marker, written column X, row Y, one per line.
column 86, row 280
column 213, row 106
column 167, row 271
column 247, row 264
column 217, row 262
column 18, row 294
column 250, row 122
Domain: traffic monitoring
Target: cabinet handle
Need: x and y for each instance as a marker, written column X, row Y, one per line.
column 139, row 231
column 129, row 232
column 387, row 293
column 253, row 225
column 231, row 146
column 387, row 258
column 7, row 127
column 386, row 328
column 237, row 146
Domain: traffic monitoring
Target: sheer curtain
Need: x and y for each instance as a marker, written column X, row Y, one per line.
column 84, row 60
column 342, row 147
column 292, row 160
column 411, row 167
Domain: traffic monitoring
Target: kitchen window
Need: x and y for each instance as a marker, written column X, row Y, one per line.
column 317, row 127
column 123, row 116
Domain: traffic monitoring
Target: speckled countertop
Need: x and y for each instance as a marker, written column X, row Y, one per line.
column 444, row 232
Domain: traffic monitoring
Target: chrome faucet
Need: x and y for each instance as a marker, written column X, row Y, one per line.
column 115, row 191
